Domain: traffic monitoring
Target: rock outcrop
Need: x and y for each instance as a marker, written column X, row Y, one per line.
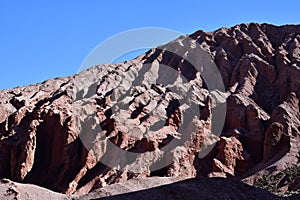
column 135, row 119
column 194, row 189
column 145, row 188
column 10, row 190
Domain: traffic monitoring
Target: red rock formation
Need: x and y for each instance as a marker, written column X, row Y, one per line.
column 40, row 125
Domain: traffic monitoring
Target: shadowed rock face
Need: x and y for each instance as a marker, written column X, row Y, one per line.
column 194, row 189
column 145, row 188
column 42, row 126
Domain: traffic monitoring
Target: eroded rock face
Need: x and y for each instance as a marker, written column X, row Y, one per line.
column 55, row 134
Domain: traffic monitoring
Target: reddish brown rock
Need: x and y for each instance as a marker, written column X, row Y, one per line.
column 229, row 151
column 273, row 136
column 56, row 134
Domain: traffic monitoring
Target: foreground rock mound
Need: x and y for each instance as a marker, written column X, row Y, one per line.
column 146, row 188
column 16, row 191
column 205, row 188
column 65, row 134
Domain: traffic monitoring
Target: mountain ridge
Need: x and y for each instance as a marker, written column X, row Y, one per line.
column 260, row 68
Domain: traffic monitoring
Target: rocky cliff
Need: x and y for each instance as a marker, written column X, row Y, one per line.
column 160, row 115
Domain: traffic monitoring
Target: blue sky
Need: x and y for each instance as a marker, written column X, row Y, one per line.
column 46, row 39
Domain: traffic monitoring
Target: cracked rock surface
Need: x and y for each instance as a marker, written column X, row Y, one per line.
column 158, row 110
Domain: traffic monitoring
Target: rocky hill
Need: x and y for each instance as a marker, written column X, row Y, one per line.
column 218, row 104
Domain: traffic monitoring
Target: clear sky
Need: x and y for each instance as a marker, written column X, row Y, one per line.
column 46, row 39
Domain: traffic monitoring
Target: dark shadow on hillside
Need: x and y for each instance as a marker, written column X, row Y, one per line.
column 202, row 188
